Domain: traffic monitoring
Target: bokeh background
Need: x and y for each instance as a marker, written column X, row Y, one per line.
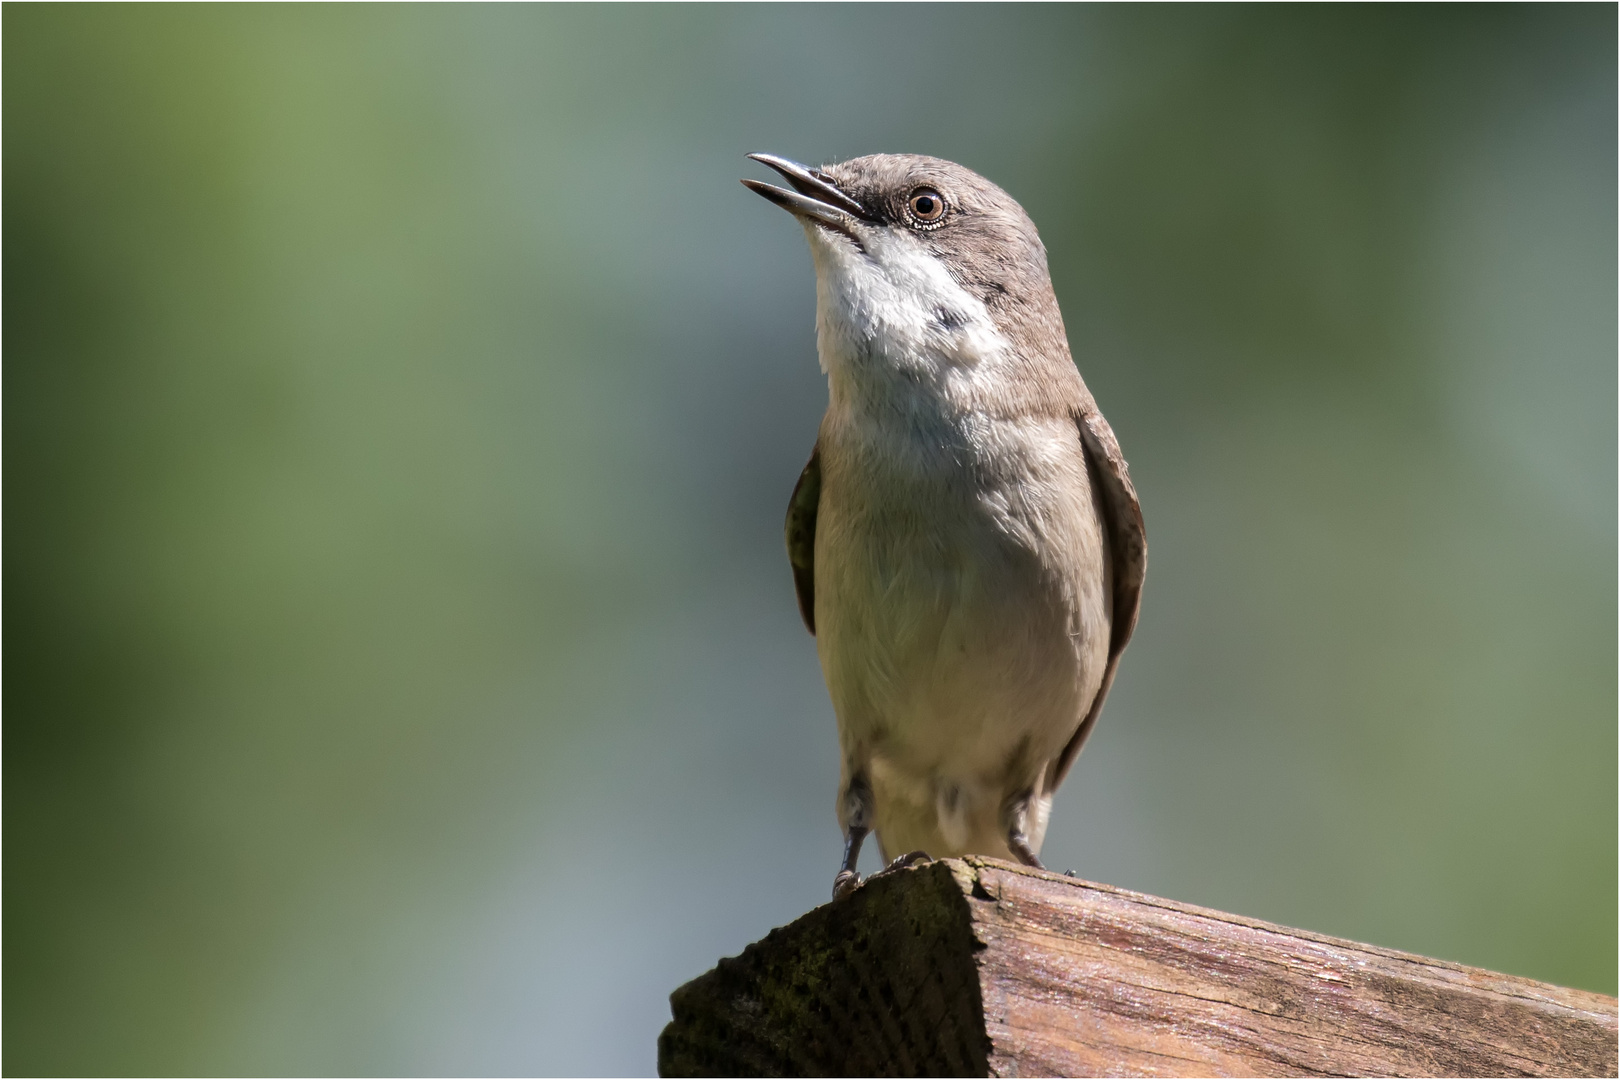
column 402, row 672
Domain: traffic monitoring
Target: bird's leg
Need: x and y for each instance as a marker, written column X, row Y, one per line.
column 1018, row 844
column 1018, row 834
column 858, row 822
column 847, row 879
column 857, row 815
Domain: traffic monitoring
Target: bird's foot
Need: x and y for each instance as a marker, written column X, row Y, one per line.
column 910, row 858
column 845, row 883
column 848, row 881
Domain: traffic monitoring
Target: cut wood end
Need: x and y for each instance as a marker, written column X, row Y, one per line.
column 975, row 967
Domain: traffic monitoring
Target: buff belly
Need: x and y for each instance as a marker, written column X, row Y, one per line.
column 962, row 625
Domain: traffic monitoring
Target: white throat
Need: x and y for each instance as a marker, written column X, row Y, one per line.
column 891, row 318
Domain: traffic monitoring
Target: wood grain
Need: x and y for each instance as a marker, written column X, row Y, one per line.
column 977, row 967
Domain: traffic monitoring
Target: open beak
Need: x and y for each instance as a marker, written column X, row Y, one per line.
column 813, row 196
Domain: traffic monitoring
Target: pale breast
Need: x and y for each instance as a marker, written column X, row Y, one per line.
column 960, row 603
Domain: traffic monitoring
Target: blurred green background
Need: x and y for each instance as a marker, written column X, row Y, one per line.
column 400, row 407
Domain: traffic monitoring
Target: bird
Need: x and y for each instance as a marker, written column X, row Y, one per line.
column 967, row 546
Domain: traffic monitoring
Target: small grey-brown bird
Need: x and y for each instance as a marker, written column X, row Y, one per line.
column 966, row 543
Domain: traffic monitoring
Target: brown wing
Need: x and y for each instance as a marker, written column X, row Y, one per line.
column 1127, row 554
column 801, row 536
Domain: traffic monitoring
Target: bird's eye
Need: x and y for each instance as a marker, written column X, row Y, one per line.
column 926, row 207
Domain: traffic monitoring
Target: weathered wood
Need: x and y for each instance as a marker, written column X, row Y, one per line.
column 977, row 967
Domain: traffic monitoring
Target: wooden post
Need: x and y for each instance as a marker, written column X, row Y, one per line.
column 976, row 967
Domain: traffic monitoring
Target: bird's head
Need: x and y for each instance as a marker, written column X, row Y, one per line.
column 917, row 255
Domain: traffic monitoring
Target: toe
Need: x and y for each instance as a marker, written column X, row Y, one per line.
column 845, row 883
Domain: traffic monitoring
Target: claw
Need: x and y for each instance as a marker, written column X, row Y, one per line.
column 845, row 883
column 910, row 858
column 848, row 881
